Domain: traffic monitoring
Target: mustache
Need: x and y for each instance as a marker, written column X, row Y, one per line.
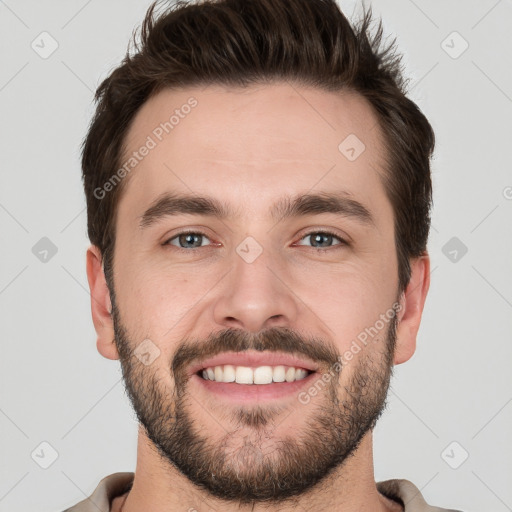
column 276, row 339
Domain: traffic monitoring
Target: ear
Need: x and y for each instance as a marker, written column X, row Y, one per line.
column 101, row 306
column 412, row 302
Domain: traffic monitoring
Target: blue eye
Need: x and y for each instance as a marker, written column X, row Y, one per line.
column 323, row 237
column 320, row 240
column 188, row 240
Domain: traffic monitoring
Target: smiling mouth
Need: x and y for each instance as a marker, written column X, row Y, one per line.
column 248, row 375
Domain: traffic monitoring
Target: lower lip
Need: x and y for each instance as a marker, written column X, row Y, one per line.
column 254, row 392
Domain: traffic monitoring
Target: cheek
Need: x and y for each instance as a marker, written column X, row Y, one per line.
column 352, row 302
column 159, row 303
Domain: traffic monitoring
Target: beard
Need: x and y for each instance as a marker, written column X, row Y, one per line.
column 250, row 463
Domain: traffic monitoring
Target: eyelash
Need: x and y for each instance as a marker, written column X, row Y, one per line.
column 342, row 243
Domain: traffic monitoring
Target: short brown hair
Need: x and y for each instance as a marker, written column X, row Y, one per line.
column 245, row 42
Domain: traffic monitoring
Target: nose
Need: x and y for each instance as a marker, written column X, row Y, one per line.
column 256, row 295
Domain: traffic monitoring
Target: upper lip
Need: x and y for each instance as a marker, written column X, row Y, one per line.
column 252, row 358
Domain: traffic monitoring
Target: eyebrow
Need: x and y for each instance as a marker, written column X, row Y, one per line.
column 339, row 203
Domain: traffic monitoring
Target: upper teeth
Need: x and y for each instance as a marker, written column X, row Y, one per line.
column 259, row 375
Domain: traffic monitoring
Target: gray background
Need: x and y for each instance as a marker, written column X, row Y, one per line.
column 56, row 388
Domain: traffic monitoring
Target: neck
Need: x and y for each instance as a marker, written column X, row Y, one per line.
column 160, row 487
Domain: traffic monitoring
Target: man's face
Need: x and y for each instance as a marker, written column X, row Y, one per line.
column 284, row 287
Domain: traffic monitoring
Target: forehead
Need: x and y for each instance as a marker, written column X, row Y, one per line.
column 251, row 145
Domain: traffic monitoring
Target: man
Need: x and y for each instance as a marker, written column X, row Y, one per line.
column 258, row 191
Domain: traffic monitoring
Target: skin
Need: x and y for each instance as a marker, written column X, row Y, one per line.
column 247, row 148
